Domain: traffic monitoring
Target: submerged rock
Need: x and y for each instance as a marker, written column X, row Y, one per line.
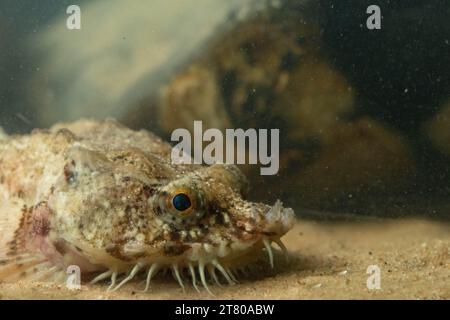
column 123, row 53
column 270, row 72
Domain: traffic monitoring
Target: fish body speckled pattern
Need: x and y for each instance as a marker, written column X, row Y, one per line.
column 108, row 199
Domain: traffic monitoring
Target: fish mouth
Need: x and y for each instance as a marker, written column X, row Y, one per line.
column 276, row 222
column 204, row 259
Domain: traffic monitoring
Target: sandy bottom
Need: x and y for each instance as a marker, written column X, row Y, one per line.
column 327, row 261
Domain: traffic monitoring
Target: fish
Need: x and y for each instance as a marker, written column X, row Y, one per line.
column 108, row 199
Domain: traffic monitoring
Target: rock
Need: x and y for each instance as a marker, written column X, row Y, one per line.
column 270, row 72
column 123, row 54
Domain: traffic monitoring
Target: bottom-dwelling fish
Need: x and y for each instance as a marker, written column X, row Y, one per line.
column 109, row 200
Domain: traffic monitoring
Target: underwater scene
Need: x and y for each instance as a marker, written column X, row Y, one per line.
column 210, row 149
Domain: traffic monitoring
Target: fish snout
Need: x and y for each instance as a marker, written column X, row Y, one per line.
column 279, row 220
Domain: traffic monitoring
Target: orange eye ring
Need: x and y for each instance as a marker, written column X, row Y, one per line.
column 182, row 202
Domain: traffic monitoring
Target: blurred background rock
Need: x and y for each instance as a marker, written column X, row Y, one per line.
column 363, row 115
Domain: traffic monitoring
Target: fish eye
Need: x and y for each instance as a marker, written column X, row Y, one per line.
column 181, row 202
column 182, row 205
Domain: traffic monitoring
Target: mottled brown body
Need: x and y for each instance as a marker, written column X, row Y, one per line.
column 101, row 196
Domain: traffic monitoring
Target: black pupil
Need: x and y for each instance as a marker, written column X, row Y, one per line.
column 181, row 202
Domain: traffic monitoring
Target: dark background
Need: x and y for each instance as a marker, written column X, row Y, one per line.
column 401, row 72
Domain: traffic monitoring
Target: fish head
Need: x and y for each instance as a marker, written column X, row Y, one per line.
column 208, row 219
column 122, row 216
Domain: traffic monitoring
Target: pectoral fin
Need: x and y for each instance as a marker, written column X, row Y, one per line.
column 20, row 256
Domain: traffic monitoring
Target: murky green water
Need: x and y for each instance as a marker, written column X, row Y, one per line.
column 363, row 113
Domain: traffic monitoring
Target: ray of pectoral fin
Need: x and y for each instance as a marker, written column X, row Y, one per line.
column 17, row 260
